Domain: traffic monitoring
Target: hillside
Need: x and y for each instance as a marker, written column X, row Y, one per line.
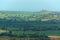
column 17, row 21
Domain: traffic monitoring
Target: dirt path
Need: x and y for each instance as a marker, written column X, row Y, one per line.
column 54, row 36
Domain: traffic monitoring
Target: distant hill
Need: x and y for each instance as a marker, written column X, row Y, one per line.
column 43, row 15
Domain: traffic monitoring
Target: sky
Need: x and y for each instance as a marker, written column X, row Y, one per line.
column 29, row 5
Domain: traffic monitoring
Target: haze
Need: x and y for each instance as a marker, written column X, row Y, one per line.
column 29, row 5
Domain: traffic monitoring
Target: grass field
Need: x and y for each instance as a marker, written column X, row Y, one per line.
column 48, row 33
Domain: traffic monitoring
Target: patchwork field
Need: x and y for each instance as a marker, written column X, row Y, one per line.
column 14, row 24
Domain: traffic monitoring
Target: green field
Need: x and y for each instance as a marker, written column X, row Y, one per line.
column 48, row 33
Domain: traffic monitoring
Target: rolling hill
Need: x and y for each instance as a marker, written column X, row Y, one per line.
column 43, row 15
column 16, row 21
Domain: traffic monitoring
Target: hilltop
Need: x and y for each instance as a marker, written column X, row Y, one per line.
column 43, row 15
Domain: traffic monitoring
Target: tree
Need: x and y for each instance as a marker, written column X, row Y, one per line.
column 44, row 37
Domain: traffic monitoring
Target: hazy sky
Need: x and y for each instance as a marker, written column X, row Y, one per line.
column 29, row 5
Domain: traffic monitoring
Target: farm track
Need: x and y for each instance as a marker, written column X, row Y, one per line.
column 54, row 37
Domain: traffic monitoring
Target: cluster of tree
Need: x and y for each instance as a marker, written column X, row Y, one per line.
column 28, row 25
column 40, row 37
